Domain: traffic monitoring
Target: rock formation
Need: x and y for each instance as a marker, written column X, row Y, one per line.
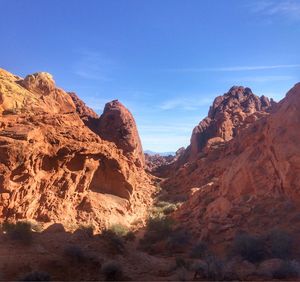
column 53, row 168
column 250, row 182
column 226, row 116
column 87, row 115
column 117, row 125
column 157, row 163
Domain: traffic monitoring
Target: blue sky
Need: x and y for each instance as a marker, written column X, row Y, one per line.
column 164, row 59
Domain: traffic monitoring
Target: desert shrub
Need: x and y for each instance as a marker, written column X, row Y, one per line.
column 200, row 269
column 119, row 229
column 209, row 268
column 37, row 226
column 182, row 274
column 114, row 242
column 157, row 229
column 130, row 236
column 287, row 270
column 112, row 271
column 215, row 268
column 74, row 253
column 249, row 247
column 199, row 250
column 36, row 276
column 162, row 226
column 88, row 229
column 162, row 208
column 21, row 231
column 180, row 262
column 280, row 244
column 177, row 240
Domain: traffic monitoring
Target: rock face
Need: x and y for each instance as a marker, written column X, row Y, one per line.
column 82, row 109
column 226, row 116
column 157, row 163
column 250, row 182
column 87, row 115
column 117, row 125
column 269, row 162
column 53, row 168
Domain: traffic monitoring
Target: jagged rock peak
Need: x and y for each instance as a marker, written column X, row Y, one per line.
column 239, row 97
column 81, row 108
column 228, row 113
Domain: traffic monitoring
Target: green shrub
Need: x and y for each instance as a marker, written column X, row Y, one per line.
column 162, row 226
column 287, row 270
column 74, row 253
column 180, row 262
column 157, row 229
column 36, row 276
column 21, row 231
column 177, row 240
column 249, row 247
column 163, row 208
column 119, row 229
column 199, row 250
column 88, row 229
column 280, row 244
column 37, row 226
column 112, row 271
column 114, row 242
column 130, row 236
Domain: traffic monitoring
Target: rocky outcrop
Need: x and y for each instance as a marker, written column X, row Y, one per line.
column 226, row 116
column 153, row 162
column 82, row 109
column 36, row 93
column 250, row 182
column 269, row 161
column 117, row 125
column 87, row 115
column 53, row 168
column 156, row 164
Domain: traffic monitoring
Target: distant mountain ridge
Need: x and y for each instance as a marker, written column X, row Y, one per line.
column 164, row 154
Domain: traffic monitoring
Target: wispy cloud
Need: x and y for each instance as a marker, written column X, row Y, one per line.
column 185, row 103
column 267, row 78
column 93, row 65
column 235, row 68
column 286, row 8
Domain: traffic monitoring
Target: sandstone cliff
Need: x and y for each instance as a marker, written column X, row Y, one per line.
column 228, row 113
column 250, row 182
column 53, row 168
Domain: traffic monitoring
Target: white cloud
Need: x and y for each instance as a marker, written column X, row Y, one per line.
column 236, row 68
column 267, row 78
column 92, row 65
column 286, row 8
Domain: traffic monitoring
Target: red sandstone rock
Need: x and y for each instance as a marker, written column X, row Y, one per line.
column 82, row 109
column 227, row 114
column 117, row 125
column 54, row 169
column 250, row 182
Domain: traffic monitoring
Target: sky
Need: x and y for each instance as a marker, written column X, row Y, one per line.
column 165, row 60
